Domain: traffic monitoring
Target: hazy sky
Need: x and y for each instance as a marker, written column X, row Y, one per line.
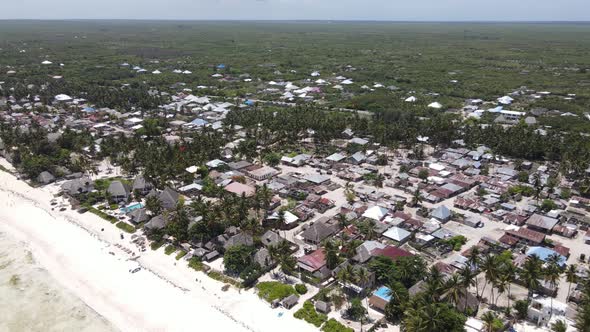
column 434, row 10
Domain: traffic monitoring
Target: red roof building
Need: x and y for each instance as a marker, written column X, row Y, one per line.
column 527, row 235
column 313, row 262
column 391, row 252
column 509, row 240
column 564, row 251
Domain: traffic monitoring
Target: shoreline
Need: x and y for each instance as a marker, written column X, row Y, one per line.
column 34, row 300
column 163, row 296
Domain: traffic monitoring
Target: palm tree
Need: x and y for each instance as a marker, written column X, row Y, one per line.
column 265, row 196
column 538, row 186
column 342, row 220
column 288, row 263
column 281, row 217
column 280, row 253
column 368, row 229
column 559, row 326
column 473, row 261
column 552, row 274
column 508, row 275
column 331, row 251
column 571, row 277
column 362, row 276
column 468, row 277
column 351, row 273
column 490, row 268
column 422, row 317
column 434, row 285
column 530, row 274
column 349, row 192
column 488, row 318
column 502, row 284
column 417, row 197
column 455, row 289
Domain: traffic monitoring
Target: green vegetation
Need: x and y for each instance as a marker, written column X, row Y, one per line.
column 522, row 190
column 456, row 242
column 273, row 290
column 310, row 315
column 181, row 254
column 272, row 158
column 356, row 311
column 435, row 317
column 126, row 227
column 301, row 288
column 333, row 325
column 236, row 259
column 155, row 245
column 101, row 214
column 407, row 270
column 482, row 60
column 169, row 249
column 492, row 322
column 548, row 205
column 523, row 176
column 4, row 169
column 566, row 193
column 521, row 308
column 196, row 264
column 216, row 275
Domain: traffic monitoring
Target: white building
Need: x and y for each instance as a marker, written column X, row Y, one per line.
column 540, row 310
column 512, row 115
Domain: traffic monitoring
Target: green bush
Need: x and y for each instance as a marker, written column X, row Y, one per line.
column 522, row 189
column 333, row 325
column 273, row 290
column 169, row 249
column 101, row 214
column 126, row 227
column 216, row 275
column 548, row 205
column 196, row 264
column 310, row 315
column 181, row 254
column 521, row 307
column 301, row 288
column 156, row 245
column 456, row 242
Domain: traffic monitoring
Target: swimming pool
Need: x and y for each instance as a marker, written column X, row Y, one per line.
column 131, row 207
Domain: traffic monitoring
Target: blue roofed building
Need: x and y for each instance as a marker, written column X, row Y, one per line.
column 380, row 298
column 544, row 254
column 199, row 122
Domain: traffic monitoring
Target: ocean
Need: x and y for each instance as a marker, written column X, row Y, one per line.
column 31, row 300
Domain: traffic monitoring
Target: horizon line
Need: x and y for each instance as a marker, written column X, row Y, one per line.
column 292, row 20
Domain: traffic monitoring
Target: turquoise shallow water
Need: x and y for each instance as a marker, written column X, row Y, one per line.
column 31, row 300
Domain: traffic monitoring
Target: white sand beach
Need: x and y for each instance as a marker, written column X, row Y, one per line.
column 163, row 296
column 33, row 301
